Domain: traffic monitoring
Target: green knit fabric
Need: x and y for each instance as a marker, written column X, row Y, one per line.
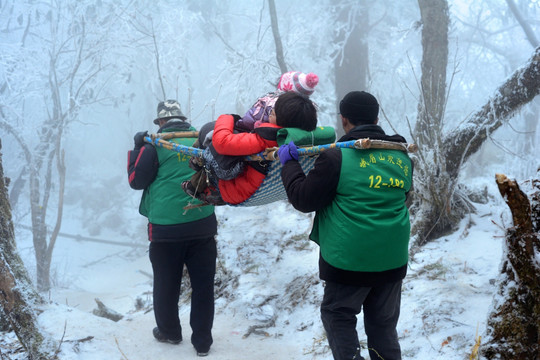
column 321, row 135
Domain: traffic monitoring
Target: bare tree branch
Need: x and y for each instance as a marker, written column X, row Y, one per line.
column 520, row 88
column 225, row 42
column 277, row 38
column 524, row 24
column 156, row 52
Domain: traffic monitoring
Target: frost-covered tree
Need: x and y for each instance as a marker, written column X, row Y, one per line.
column 439, row 203
column 52, row 66
column 18, row 299
column 493, row 38
column 164, row 54
column 432, row 182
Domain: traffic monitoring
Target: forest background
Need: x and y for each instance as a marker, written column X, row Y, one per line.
column 78, row 79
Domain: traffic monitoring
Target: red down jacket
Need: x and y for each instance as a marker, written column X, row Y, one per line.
column 226, row 142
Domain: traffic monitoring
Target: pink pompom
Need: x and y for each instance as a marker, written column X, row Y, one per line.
column 312, row 80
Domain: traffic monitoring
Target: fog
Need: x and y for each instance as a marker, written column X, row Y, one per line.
column 98, row 68
column 80, row 78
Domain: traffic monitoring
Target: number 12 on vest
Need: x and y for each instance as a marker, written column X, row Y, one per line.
column 376, row 182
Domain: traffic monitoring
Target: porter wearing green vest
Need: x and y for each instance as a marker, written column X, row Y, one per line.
column 177, row 237
column 362, row 227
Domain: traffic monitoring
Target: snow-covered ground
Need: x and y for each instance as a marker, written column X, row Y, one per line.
column 268, row 292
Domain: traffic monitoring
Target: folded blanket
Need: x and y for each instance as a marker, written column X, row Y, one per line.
column 320, row 136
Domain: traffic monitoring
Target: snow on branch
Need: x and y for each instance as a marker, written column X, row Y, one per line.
column 518, row 90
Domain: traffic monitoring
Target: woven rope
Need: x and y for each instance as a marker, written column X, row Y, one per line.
column 272, row 188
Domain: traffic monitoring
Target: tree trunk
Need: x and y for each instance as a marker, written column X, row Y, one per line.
column 514, row 324
column 531, row 116
column 351, row 66
column 39, row 237
column 435, row 22
column 17, row 296
column 17, row 187
column 277, row 37
column 434, row 186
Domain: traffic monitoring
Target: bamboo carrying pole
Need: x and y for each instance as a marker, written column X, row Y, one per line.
column 271, row 153
column 176, row 134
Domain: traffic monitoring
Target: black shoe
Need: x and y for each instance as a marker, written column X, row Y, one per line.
column 357, row 356
column 162, row 338
column 211, row 196
column 188, row 188
column 202, row 353
column 196, row 163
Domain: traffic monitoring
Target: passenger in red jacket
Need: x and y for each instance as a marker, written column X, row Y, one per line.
column 291, row 110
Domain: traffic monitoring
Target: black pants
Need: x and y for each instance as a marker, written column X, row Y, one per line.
column 168, row 259
column 342, row 303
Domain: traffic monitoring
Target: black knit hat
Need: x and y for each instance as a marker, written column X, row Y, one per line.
column 359, row 107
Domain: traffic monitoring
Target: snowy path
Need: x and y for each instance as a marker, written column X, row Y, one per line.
column 446, row 296
column 117, row 284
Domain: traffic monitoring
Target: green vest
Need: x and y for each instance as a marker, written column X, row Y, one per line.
column 367, row 227
column 163, row 201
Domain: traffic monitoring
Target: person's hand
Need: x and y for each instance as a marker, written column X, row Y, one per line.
column 236, row 117
column 287, row 152
column 139, row 139
column 238, row 125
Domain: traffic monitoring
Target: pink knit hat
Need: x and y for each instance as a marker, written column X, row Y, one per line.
column 298, row 82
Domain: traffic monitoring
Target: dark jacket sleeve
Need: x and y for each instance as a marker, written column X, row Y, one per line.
column 316, row 190
column 142, row 167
